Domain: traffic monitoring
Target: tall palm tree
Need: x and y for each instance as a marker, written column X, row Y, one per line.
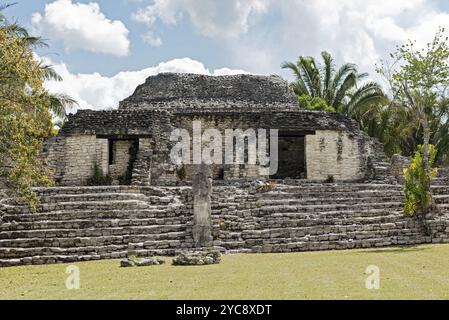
column 343, row 89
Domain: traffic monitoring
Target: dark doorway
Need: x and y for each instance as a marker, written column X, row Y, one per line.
column 291, row 156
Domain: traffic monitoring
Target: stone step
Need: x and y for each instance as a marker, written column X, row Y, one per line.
column 338, row 245
column 356, row 235
column 346, row 217
column 442, row 190
column 347, row 195
column 330, row 221
column 347, row 232
column 91, row 223
column 92, row 214
column 326, row 207
column 326, row 201
column 92, row 205
column 86, row 197
column 81, row 233
column 276, row 231
column 148, row 241
column 111, row 252
column 85, row 189
column 441, row 199
column 283, row 198
column 339, row 214
column 339, row 187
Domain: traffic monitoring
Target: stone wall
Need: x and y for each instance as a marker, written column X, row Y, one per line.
column 337, row 154
column 220, row 122
column 72, row 158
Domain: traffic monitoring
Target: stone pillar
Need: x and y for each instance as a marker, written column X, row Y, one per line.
column 202, row 221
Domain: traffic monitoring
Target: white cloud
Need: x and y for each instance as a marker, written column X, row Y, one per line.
column 356, row 31
column 152, row 39
column 94, row 91
column 224, row 19
column 82, row 26
column 352, row 30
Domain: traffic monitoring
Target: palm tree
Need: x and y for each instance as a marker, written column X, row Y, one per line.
column 59, row 103
column 343, row 89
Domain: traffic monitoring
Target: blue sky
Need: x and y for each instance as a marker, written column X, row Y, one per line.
column 180, row 40
column 104, row 48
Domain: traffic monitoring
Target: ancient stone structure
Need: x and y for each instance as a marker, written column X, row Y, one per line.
column 151, row 212
column 136, row 137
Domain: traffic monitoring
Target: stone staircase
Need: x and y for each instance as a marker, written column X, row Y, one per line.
column 89, row 223
column 319, row 217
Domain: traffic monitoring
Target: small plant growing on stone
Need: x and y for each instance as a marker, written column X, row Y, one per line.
column 181, row 173
column 265, row 187
column 416, row 181
column 98, row 178
column 330, row 179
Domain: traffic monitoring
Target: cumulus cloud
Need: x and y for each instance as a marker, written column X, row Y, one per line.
column 94, row 91
column 223, row 19
column 152, row 39
column 354, row 31
column 82, row 26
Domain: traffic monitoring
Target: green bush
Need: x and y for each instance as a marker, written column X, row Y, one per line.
column 314, row 103
column 98, row 178
column 417, row 197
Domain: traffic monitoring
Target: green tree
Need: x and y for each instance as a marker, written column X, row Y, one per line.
column 25, row 110
column 59, row 102
column 343, row 89
column 418, row 79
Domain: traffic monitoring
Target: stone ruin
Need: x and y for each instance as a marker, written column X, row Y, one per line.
column 333, row 188
column 136, row 137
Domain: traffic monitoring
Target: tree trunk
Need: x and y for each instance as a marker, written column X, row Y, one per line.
column 426, row 162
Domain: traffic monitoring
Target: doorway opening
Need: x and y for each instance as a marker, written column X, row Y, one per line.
column 291, row 156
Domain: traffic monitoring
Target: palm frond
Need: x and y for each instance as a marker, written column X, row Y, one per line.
column 310, row 75
column 299, row 87
column 50, row 74
column 327, row 71
column 342, row 90
column 59, row 103
column 342, row 75
column 367, row 96
column 7, row 5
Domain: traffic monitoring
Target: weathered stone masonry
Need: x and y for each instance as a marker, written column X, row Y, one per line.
column 90, row 223
column 154, row 213
column 325, row 144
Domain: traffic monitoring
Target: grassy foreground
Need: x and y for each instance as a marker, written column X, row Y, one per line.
column 420, row 272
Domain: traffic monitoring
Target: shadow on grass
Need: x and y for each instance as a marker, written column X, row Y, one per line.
column 398, row 249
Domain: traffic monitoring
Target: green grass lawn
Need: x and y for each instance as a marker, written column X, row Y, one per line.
column 420, row 272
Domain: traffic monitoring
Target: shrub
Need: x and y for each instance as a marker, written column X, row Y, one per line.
column 98, row 178
column 314, row 103
column 181, row 173
column 330, row 179
column 417, row 197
